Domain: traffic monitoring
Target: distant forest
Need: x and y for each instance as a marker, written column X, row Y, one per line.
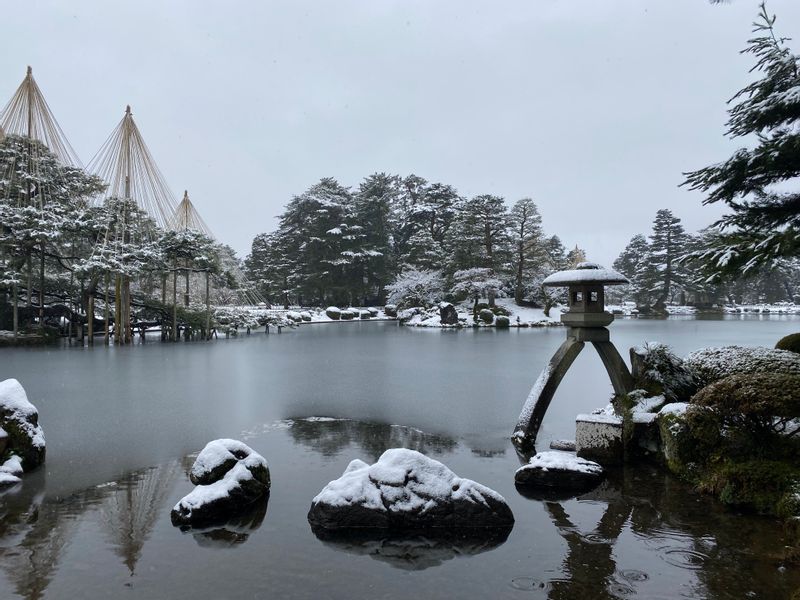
column 412, row 242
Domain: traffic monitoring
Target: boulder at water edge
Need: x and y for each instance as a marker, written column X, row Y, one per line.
column 19, row 419
column 406, row 490
column 559, row 470
column 230, row 477
column 448, row 314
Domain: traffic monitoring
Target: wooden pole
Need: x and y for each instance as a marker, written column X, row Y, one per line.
column 106, row 311
column 208, row 305
column 41, row 287
column 16, row 310
column 90, row 319
column 174, row 335
column 117, row 307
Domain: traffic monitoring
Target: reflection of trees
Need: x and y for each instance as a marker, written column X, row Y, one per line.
column 415, row 552
column 330, row 437
column 725, row 553
column 130, row 509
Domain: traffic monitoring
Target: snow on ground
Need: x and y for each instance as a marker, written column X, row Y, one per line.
column 521, row 316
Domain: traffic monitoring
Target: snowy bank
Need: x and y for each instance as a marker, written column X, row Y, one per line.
column 406, row 490
column 517, row 316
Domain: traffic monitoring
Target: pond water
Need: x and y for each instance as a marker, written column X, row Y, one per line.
column 120, row 424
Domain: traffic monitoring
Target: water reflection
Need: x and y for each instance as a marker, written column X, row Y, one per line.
column 687, row 532
column 231, row 532
column 414, row 551
column 329, row 437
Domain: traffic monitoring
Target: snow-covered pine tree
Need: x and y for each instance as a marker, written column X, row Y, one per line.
column 527, row 239
column 662, row 272
column 764, row 222
column 632, row 263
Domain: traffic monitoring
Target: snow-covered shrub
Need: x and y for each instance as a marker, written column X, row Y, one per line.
column 790, row 342
column 660, row 371
column 414, row 287
column 348, row 314
column 754, row 405
column 502, row 321
column 713, row 364
column 475, row 283
column 486, row 315
column 334, row 313
column 390, row 310
column 294, row 316
column 305, row 315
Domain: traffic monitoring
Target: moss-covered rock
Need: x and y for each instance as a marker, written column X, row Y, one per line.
column 712, row 364
column 791, row 343
column 690, row 436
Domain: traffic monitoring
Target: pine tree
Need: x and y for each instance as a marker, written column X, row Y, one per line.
column 527, row 239
column 764, row 223
column 662, row 272
column 632, row 263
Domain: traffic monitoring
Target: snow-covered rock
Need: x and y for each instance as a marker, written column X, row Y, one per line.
column 559, row 470
column 448, row 314
column 229, row 476
column 11, row 471
column 406, row 490
column 20, row 420
column 713, row 364
column 3, row 440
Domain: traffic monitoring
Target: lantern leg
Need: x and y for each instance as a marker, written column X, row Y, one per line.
column 617, row 369
column 530, row 419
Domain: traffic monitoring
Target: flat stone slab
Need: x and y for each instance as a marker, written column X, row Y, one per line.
column 406, row 491
column 559, row 470
column 598, row 437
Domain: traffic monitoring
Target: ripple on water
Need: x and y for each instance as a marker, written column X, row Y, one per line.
column 634, row 575
column 683, row 558
column 531, row 584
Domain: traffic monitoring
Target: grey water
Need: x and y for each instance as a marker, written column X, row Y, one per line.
column 121, row 424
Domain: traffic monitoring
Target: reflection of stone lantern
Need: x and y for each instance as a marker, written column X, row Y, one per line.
column 586, row 320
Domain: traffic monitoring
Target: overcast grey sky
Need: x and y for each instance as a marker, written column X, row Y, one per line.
column 591, row 108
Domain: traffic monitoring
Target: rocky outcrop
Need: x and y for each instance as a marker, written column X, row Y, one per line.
column 230, row 477
column 559, row 470
column 448, row 314
column 406, row 491
column 19, row 419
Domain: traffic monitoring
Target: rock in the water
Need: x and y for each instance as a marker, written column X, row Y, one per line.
column 559, row 470
column 20, row 420
column 406, row 490
column 230, row 476
column 448, row 314
column 11, row 471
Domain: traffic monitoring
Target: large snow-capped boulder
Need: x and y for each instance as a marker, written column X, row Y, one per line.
column 229, row 476
column 20, row 421
column 559, row 470
column 406, row 490
column 448, row 314
column 713, row 364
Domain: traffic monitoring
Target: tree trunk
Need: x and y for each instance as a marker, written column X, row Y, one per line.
column 208, row 306
column 41, row 288
column 15, row 317
column 186, row 296
column 90, row 319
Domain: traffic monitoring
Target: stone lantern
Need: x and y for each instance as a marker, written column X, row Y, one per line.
column 586, row 321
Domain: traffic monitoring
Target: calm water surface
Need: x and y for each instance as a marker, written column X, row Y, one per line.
column 120, row 424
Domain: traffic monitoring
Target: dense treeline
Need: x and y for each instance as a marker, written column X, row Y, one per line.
column 405, row 240
column 63, row 255
column 664, row 268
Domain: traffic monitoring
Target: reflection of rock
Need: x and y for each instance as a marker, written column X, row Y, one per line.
column 232, row 532
column 331, row 436
column 20, row 421
column 230, row 477
column 559, row 470
column 406, row 490
column 414, row 552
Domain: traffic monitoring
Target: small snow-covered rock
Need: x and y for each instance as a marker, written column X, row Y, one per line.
column 230, row 476
column 559, row 470
column 20, row 420
column 406, row 490
column 11, row 471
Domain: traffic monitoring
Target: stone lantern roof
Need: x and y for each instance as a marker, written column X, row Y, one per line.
column 585, row 273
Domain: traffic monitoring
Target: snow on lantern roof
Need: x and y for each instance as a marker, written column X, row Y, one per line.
column 585, row 273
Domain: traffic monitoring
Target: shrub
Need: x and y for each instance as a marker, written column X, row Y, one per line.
column 759, row 484
column 791, row 343
column 662, row 373
column 712, row 364
column 502, row 321
column 755, row 406
column 333, row 312
column 486, row 315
